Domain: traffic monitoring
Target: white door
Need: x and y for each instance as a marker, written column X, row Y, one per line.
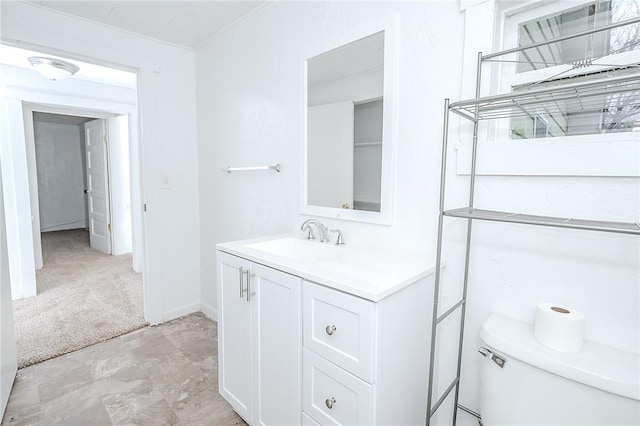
column 98, row 185
column 234, row 335
column 330, row 155
column 278, row 343
column 8, row 358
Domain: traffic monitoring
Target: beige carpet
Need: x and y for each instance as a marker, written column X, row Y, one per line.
column 84, row 297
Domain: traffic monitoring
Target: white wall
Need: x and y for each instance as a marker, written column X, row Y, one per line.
column 249, row 91
column 8, row 356
column 17, row 200
column 60, row 176
column 120, row 184
column 249, row 101
column 168, row 134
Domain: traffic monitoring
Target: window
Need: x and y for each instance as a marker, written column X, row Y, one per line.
column 580, row 50
column 598, row 55
column 605, row 143
column 540, row 127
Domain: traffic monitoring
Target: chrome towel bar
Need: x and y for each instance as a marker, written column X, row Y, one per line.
column 230, row 169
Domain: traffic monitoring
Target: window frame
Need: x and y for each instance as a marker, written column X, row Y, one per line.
column 598, row 154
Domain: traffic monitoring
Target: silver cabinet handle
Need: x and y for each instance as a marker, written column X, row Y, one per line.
column 249, row 292
column 330, row 402
column 330, row 329
column 241, row 270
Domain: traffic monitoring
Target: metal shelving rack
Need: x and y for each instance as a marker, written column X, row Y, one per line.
column 565, row 98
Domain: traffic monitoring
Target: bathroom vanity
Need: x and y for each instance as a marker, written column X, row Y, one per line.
column 313, row 333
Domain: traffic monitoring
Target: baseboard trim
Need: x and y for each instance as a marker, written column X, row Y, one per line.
column 181, row 311
column 209, row 311
column 80, row 224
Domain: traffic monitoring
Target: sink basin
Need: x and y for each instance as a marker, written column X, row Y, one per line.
column 359, row 261
column 299, row 250
column 368, row 272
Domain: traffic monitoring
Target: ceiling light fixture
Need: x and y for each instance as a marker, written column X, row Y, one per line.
column 54, row 69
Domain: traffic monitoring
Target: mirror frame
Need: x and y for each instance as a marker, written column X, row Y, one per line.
column 389, row 131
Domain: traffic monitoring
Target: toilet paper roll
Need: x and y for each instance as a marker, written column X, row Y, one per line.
column 559, row 327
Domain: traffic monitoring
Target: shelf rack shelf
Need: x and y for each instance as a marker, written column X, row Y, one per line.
column 608, row 91
column 585, row 96
column 558, row 222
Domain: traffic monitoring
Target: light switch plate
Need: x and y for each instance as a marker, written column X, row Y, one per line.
column 166, row 182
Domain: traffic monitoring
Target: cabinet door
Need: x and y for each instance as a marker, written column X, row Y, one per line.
column 234, row 335
column 278, row 343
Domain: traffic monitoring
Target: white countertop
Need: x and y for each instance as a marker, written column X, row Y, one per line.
column 369, row 273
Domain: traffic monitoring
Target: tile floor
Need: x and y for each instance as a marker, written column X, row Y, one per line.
column 156, row 375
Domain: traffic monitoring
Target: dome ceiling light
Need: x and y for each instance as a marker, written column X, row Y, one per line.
column 54, row 69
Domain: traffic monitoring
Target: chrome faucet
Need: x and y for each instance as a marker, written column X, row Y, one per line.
column 323, row 231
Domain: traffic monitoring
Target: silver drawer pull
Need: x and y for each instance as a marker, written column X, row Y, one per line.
column 330, row 402
column 330, row 329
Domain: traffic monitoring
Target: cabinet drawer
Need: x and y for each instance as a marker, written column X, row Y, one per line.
column 331, row 396
column 340, row 328
column 308, row 421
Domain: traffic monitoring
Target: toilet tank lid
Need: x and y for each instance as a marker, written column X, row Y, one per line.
column 596, row 365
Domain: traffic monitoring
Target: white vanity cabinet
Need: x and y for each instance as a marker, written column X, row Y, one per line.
column 259, row 341
column 366, row 362
column 326, row 339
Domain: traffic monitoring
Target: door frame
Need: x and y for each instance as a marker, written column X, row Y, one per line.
column 145, row 68
column 28, row 108
column 69, row 102
column 8, row 351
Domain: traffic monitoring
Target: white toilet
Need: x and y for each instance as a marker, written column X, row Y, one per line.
column 538, row 386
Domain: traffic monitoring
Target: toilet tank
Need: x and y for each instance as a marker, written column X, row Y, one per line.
column 539, row 386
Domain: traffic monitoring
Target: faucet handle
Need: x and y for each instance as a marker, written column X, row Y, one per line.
column 310, row 233
column 339, row 240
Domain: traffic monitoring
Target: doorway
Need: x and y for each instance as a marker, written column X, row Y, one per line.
column 60, row 162
column 80, row 167
column 87, row 290
column 66, row 192
column 77, row 187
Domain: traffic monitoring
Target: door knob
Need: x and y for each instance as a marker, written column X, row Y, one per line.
column 330, row 329
column 330, row 402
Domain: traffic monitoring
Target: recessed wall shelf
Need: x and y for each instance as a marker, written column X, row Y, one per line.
column 559, row 222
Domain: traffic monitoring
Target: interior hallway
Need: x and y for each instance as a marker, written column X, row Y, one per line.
column 156, row 375
column 84, row 297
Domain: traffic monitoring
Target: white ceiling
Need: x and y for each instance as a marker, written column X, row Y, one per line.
column 186, row 23
column 351, row 60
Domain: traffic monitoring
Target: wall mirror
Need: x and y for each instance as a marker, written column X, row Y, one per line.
column 348, row 131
